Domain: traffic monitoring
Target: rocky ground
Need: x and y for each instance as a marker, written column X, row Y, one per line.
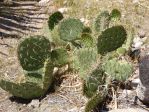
column 68, row 96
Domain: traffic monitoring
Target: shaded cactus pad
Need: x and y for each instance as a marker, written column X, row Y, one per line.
column 33, row 51
column 54, row 19
column 115, row 14
column 70, row 29
column 94, row 101
column 111, row 39
column 27, row 90
column 118, row 69
column 102, row 21
column 60, row 57
column 144, row 70
column 33, row 85
column 93, row 81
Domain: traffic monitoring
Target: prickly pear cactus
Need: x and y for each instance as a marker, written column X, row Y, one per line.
column 85, row 58
column 87, row 40
column 60, row 57
column 102, row 21
column 37, row 78
column 95, row 79
column 70, row 29
column 118, row 69
column 33, row 51
column 111, row 39
column 94, row 101
column 115, row 15
column 54, row 19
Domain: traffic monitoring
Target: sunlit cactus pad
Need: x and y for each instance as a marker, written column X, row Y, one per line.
column 70, row 29
column 102, row 21
column 33, row 51
column 118, row 69
column 111, row 39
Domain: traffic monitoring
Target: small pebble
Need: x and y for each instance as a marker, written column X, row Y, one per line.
column 34, row 103
column 141, row 33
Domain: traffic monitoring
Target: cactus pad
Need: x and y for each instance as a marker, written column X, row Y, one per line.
column 54, row 19
column 86, row 57
column 33, row 51
column 70, row 29
column 87, row 40
column 60, row 57
column 111, row 39
column 102, row 21
column 94, row 79
column 94, row 101
column 115, row 15
column 118, row 69
column 34, row 85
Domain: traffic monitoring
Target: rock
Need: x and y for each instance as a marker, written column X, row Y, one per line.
column 143, row 87
column 34, row 104
column 135, row 82
column 141, row 33
column 129, row 110
column 43, row 2
column 62, row 10
column 137, row 42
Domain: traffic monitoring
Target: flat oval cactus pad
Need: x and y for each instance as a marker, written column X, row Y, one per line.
column 33, row 51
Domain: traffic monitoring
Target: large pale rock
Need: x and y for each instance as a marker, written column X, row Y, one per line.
column 143, row 87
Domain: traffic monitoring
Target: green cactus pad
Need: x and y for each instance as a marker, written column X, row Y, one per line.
column 54, row 19
column 115, row 15
column 111, row 39
column 33, row 51
column 118, row 69
column 85, row 58
column 94, row 101
column 102, row 21
column 70, row 29
column 93, row 80
column 60, row 57
column 27, row 90
column 87, row 40
column 121, row 51
column 33, row 85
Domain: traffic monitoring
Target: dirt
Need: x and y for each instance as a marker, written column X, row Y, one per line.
column 68, row 96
